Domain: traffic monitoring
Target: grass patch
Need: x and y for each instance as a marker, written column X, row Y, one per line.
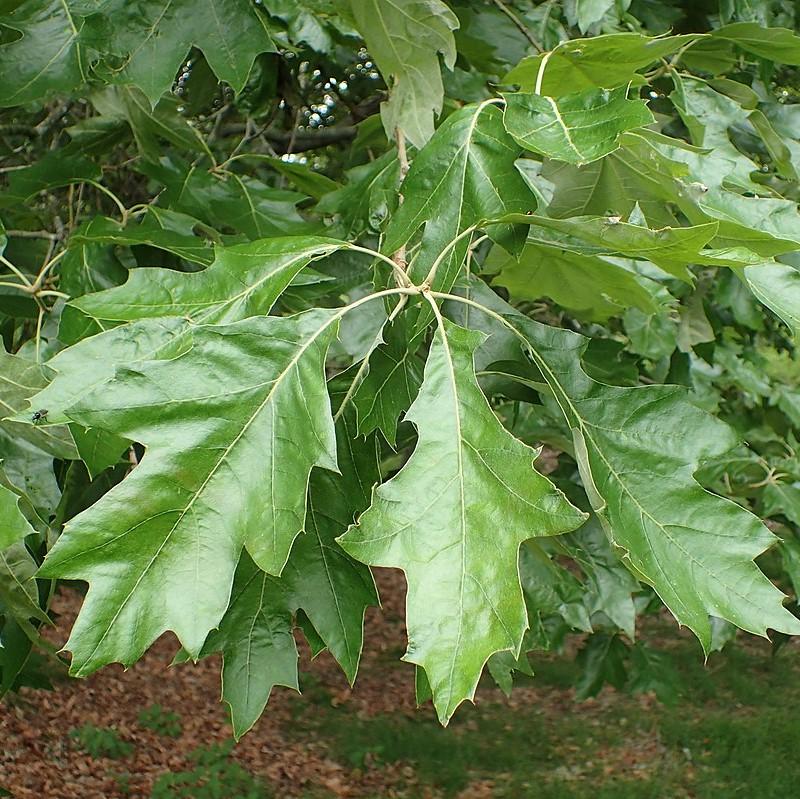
column 100, row 742
column 733, row 733
column 214, row 775
column 161, row 721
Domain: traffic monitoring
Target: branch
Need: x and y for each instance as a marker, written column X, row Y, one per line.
column 400, row 256
column 520, row 25
column 303, row 139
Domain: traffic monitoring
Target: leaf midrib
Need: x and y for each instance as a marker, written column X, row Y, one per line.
column 278, row 381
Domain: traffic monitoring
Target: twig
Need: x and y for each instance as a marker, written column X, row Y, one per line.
column 32, row 234
column 301, row 141
column 20, row 275
column 523, row 28
column 402, row 156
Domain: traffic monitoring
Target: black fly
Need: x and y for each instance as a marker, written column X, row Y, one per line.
column 39, row 416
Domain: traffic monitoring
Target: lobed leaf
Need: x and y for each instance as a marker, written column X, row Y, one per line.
column 232, row 429
column 696, row 549
column 405, row 38
column 453, row 519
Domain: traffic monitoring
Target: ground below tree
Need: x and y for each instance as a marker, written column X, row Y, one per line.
column 735, row 730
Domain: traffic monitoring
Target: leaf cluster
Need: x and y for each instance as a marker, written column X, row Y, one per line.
column 502, row 295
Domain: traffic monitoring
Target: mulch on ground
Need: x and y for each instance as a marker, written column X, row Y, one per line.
column 39, row 759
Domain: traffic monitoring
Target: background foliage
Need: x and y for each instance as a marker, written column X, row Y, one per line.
column 270, row 269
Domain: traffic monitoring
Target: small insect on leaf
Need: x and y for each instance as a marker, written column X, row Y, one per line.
column 39, row 416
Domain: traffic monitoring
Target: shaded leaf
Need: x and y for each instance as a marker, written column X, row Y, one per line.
column 19, row 595
column 165, row 230
column 390, row 384
column 588, row 285
column 155, row 36
column 21, row 379
column 773, row 44
column 257, row 644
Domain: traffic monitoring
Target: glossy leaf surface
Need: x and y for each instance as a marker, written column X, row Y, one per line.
column 576, row 128
column 259, row 421
column 458, row 549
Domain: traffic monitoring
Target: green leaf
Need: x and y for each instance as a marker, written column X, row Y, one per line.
column 609, row 586
column 778, row 287
column 165, row 230
column 775, row 145
column 87, row 268
column 98, row 449
column 503, row 665
column 257, row 644
column 590, row 11
column 259, row 210
column 592, row 287
column 307, row 180
column 332, row 589
column 654, row 336
column 164, row 307
column 601, row 660
column 150, row 126
column 51, row 55
column 598, row 62
column 21, row 379
column 710, row 117
column 576, row 128
column 465, row 175
column 773, row 44
column 766, row 226
column 29, row 472
column 255, row 635
column 81, row 368
column 654, row 671
column 671, row 248
column 453, row 519
column 232, row 429
column 390, row 384
column 553, row 594
column 365, row 201
column 694, row 548
column 49, row 172
column 243, row 280
column 612, row 186
column 790, row 556
column 18, row 592
column 405, row 38
column 231, row 200
column 155, row 36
